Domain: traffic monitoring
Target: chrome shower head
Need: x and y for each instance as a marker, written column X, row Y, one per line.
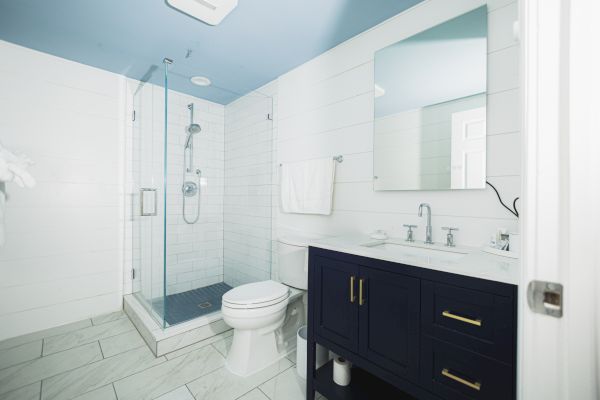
column 192, row 130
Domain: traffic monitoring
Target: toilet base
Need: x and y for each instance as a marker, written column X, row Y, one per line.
column 252, row 351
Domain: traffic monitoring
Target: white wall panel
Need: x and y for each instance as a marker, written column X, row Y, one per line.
column 62, row 258
column 325, row 108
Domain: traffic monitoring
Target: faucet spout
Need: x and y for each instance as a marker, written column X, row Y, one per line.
column 428, row 229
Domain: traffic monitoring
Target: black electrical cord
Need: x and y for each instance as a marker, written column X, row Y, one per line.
column 513, row 210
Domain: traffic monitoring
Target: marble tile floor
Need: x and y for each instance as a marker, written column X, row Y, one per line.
column 105, row 358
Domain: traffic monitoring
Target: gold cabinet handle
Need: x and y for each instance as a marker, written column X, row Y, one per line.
column 352, row 297
column 361, row 299
column 448, row 314
column 472, row 385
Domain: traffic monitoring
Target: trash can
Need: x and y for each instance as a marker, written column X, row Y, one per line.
column 322, row 354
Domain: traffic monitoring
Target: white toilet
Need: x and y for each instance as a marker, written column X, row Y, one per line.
column 256, row 310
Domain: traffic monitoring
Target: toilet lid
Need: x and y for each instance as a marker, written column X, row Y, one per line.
column 258, row 294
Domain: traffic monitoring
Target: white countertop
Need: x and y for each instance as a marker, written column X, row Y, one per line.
column 475, row 263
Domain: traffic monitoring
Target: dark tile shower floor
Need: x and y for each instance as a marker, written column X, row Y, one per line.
column 188, row 305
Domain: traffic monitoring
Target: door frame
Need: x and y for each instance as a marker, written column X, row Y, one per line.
column 559, row 357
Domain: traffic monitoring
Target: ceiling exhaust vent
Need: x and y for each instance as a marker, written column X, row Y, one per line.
column 210, row 11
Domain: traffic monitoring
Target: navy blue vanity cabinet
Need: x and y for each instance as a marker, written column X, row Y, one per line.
column 368, row 311
column 479, row 320
column 336, row 313
column 411, row 333
column 389, row 321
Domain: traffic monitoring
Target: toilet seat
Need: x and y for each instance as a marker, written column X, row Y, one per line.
column 256, row 295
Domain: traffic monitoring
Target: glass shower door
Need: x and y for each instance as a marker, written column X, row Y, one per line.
column 148, row 228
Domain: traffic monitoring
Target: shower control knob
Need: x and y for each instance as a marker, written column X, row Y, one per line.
column 189, row 189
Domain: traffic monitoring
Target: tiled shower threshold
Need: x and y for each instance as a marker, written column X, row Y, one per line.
column 162, row 341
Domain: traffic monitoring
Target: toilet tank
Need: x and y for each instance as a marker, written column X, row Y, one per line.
column 293, row 261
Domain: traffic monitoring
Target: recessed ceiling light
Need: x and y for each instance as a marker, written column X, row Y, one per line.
column 200, row 80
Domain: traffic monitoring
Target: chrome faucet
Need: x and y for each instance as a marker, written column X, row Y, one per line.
column 428, row 228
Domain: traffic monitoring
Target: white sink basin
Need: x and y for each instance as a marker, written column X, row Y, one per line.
column 431, row 253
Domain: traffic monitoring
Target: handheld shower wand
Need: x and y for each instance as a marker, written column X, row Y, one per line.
column 190, row 188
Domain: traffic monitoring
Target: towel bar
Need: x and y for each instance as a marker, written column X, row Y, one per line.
column 339, row 159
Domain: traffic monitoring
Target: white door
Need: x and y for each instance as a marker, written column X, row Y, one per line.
column 467, row 156
column 559, row 357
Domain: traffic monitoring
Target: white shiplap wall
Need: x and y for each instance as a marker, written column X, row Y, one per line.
column 62, row 258
column 325, row 108
column 248, row 188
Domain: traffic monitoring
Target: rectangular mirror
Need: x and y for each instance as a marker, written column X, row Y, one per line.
column 430, row 108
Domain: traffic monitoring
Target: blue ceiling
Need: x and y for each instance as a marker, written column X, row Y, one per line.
column 259, row 41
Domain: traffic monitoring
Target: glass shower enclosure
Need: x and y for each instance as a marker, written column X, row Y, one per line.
column 201, row 191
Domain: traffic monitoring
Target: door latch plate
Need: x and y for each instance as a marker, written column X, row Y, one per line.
column 545, row 298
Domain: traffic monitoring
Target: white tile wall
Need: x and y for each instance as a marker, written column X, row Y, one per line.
column 62, row 258
column 325, row 108
column 194, row 251
column 248, row 189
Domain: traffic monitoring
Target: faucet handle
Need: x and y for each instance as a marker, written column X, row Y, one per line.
column 409, row 232
column 450, row 235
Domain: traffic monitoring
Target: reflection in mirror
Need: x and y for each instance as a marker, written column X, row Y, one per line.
column 430, row 108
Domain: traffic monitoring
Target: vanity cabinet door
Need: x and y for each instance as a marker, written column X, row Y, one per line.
column 336, row 311
column 389, row 321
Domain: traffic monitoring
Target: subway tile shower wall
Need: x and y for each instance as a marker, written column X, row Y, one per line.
column 194, row 256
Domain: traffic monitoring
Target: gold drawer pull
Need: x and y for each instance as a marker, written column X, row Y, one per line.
column 361, row 299
column 352, row 297
column 448, row 314
column 472, row 385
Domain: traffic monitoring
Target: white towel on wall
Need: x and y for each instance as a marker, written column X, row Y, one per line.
column 13, row 168
column 307, row 186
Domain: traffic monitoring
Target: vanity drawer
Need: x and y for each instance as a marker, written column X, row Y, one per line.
column 455, row 373
column 480, row 321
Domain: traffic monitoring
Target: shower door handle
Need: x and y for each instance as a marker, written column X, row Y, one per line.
column 143, row 212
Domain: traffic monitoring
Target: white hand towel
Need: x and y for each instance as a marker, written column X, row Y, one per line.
column 13, row 168
column 307, row 186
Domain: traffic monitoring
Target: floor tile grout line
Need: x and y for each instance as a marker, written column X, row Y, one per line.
column 251, row 390
column 164, row 359
column 94, row 362
column 260, row 382
column 121, row 378
column 43, row 356
column 106, row 322
column 114, row 390
column 92, row 341
column 189, row 390
column 22, row 362
column 187, row 383
column 260, row 390
column 40, row 338
column 101, row 351
column 201, row 347
column 208, row 344
column 21, row 387
column 217, row 350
